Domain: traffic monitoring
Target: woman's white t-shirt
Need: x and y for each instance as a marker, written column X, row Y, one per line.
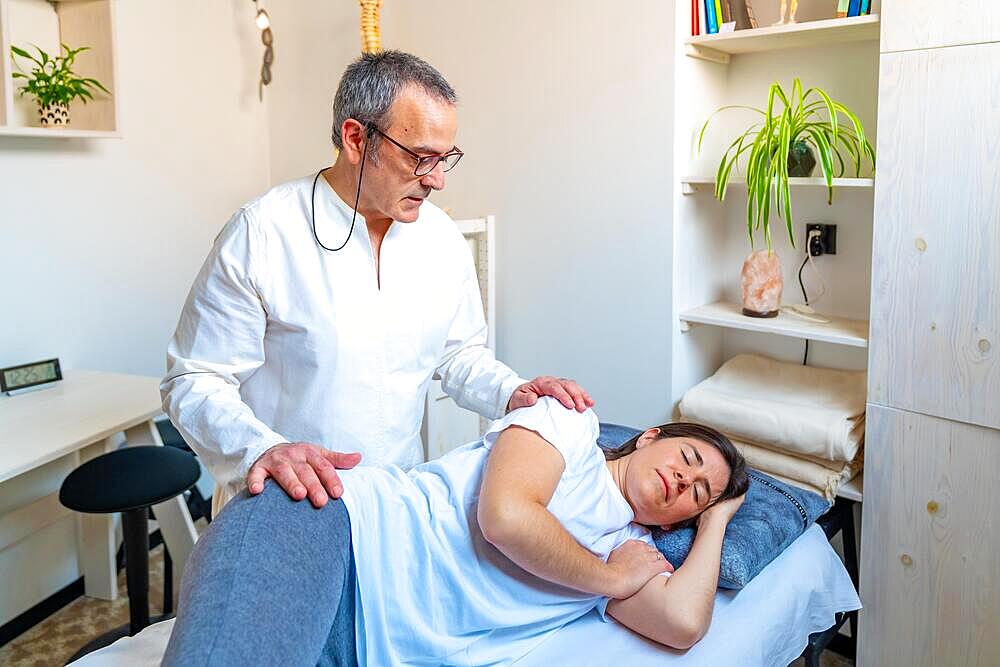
column 432, row 591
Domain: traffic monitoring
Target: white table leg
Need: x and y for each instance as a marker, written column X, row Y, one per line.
column 172, row 516
column 96, row 544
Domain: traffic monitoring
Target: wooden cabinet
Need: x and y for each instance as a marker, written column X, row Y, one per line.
column 930, row 565
column 935, row 316
column 926, row 24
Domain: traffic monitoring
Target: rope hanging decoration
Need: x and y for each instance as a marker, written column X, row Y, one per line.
column 371, row 36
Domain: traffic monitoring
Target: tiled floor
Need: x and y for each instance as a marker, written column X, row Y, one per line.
column 55, row 639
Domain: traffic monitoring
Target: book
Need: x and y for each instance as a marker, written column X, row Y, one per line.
column 727, row 12
column 865, row 7
column 718, row 15
column 702, row 18
column 853, row 8
column 842, row 7
column 713, row 26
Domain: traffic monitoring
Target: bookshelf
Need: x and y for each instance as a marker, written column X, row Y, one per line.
column 692, row 184
column 719, row 47
column 77, row 23
column 839, row 55
column 839, row 331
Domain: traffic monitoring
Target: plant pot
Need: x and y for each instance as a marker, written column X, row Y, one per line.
column 53, row 115
column 761, row 284
column 801, row 160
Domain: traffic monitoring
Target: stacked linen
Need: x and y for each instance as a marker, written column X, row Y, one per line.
column 802, row 424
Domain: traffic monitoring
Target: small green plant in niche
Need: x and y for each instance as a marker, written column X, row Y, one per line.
column 53, row 83
column 781, row 144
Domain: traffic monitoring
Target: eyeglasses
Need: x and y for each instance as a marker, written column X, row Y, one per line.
column 425, row 163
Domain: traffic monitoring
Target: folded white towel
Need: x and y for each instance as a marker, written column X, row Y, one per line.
column 817, row 475
column 806, row 410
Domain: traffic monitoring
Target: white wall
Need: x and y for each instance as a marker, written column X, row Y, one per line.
column 102, row 238
column 564, row 116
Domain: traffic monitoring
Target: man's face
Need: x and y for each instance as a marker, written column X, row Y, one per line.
column 427, row 126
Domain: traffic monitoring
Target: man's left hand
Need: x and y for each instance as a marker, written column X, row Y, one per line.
column 567, row 392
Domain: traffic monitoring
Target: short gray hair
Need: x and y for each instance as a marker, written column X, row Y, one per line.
column 371, row 83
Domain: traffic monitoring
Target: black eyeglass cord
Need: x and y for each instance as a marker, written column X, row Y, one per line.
column 357, row 199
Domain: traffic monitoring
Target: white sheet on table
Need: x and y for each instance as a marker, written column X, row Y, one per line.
column 767, row 623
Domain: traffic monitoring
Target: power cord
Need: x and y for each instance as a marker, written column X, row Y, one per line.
column 805, row 299
column 805, row 311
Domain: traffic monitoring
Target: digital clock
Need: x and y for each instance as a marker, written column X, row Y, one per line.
column 29, row 375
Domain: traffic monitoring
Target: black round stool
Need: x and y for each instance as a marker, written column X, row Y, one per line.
column 130, row 480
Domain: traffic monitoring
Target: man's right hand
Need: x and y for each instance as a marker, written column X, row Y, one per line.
column 302, row 468
column 634, row 563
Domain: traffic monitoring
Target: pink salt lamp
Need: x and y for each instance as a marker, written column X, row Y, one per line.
column 761, row 284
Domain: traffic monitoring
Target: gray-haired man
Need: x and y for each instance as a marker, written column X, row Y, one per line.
column 318, row 320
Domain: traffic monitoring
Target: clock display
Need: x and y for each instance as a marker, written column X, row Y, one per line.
column 29, row 375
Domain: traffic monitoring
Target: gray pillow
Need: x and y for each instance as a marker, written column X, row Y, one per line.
column 771, row 517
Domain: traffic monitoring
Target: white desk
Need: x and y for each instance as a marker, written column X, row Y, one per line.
column 79, row 418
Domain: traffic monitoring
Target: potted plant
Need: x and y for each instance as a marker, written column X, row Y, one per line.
column 53, row 83
column 780, row 145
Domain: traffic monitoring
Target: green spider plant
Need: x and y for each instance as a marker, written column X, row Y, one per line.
column 52, row 80
column 767, row 145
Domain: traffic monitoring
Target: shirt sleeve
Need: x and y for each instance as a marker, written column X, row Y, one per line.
column 219, row 342
column 469, row 372
column 572, row 433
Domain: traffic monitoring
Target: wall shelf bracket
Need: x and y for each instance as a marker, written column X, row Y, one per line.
column 706, row 53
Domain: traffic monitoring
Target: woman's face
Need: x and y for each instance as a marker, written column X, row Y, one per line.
column 668, row 480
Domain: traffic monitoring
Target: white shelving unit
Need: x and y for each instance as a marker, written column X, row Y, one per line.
column 47, row 24
column 709, row 237
column 692, row 184
column 839, row 331
column 852, row 490
column 719, row 48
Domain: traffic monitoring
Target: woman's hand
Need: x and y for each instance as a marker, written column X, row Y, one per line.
column 633, row 564
column 721, row 512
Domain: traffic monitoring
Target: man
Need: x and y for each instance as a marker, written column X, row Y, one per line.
column 326, row 305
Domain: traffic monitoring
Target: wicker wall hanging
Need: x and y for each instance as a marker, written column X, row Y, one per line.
column 371, row 36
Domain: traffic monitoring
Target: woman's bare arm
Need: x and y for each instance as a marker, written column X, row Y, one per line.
column 521, row 475
column 677, row 611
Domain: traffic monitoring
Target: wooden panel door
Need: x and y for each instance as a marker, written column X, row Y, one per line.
column 925, row 24
column 930, row 562
column 935, row 313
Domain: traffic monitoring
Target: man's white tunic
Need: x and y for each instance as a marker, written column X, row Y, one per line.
column 283, row 341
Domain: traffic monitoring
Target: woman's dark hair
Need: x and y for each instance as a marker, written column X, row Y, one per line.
column 738, row 480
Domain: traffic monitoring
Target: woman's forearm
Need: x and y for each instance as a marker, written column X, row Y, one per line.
column 529, row 535
column 693, row 585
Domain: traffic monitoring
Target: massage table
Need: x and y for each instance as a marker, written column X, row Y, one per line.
column 766, row 623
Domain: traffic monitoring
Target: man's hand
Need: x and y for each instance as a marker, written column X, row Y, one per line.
column 302, row 468
column 568, row 392
column 634, row 563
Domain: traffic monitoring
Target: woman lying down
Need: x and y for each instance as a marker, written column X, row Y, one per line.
column 471, row 559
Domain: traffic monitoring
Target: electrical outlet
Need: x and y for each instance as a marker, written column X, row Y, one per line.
column 826, row 243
